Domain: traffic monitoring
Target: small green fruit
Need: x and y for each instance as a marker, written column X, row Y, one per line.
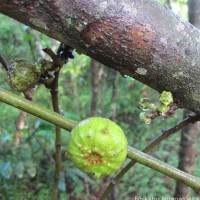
column 24, row 75
column 97, row 146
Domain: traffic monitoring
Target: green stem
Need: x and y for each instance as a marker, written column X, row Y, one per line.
column 164, row 168
column 165, row 134
column 59, row 120
column 36, row 110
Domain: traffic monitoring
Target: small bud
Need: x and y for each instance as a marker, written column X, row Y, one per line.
column 166, row 98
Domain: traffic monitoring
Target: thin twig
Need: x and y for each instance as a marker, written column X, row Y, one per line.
column 36, row 110
column 58, row 157
column 53, row 56
column 3, row 62
column 153, row 163
column 170, row 112
column 59, row 120
column 190, row 119
column 27, row 95
column 55, row 103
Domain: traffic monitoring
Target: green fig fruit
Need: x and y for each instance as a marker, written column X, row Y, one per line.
column 97, row 146
column 24, row 75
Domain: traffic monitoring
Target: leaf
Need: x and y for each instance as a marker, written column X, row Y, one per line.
column 30, row 168
column 44, row 125
column 71, row 116
column 23, row 153
column 19, row 169
column 32, row 171
column 28, row 37
column 78, row 190
column 7, row 170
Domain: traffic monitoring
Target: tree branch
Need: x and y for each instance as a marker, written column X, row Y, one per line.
column 159, row 166
column 58, row 157
column 139, row 38
column 68, row 124
column 192, row 118
column 3, row 62
column 36, row 110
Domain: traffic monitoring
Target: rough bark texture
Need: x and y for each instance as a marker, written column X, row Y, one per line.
column 139, row 38
column 189, row 135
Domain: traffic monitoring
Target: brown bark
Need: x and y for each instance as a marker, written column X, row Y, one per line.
column 113, row 105
column 139, row 38
column 95, row 78
column 19, row 127
column 189, row 134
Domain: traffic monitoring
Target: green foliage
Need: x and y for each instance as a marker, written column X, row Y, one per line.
column 160, row 107
column 178, row 6
column 27, row 169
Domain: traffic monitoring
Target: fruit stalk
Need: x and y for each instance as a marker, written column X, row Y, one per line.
column 165, row 134
column 164, row 168
column 36, row 110
column 68, row 124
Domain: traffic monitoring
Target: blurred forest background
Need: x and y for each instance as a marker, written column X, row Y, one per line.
column 86, row 88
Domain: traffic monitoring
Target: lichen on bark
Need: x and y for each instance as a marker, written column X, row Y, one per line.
column 124, row 35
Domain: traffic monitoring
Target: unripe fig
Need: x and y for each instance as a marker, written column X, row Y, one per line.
column 24, row 75
column 97, row 146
